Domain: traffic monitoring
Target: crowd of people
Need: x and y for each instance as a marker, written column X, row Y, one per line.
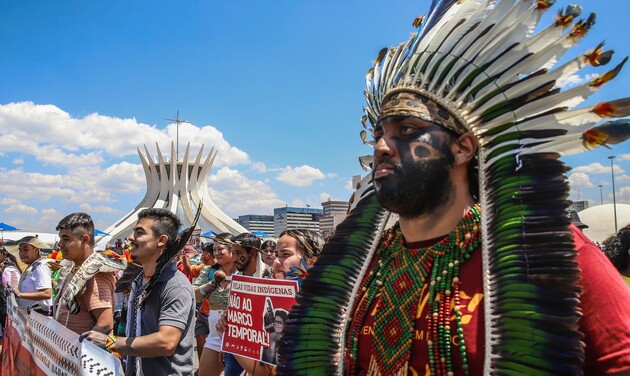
column 171, row 306
column 482, row 273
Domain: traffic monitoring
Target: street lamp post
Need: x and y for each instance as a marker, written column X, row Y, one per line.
column 601, row 195
column 612, row 172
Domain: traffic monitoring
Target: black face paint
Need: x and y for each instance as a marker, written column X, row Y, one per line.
column 420, row 182
column 242, row 259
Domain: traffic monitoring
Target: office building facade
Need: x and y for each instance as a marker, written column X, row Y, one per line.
column 334, row 212
column 292, row 217
column 255, row 223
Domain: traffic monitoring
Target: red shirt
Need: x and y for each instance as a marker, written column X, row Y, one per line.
column 180, row 267
column 605, row 304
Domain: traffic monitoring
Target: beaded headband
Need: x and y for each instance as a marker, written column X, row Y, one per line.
column 406, row 102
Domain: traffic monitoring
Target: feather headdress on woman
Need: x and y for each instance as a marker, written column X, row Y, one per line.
column 477, row 66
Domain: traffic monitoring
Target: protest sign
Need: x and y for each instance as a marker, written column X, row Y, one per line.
column 257, row 310
column 37, row 345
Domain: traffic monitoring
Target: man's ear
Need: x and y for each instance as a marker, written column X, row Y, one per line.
column 464, row 148
column 162, row 241
column 85, row 238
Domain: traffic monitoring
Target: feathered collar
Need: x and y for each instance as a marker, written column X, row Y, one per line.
column 75, row 284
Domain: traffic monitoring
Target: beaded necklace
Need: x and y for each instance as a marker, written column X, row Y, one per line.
column 398, row 276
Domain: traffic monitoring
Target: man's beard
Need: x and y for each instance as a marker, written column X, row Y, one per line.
column 414, row 188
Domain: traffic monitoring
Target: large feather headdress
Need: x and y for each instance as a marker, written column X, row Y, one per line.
column 481, row 61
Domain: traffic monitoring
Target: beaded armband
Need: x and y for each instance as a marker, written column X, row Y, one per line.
column 110, row 344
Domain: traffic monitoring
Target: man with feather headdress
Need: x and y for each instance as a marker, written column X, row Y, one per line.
column 483, row 273
column 160, row 322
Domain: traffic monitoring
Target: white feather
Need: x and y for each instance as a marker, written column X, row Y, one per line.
column 494, row 17
column 453, row 32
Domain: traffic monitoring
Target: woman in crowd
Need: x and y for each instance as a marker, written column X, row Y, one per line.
column 11, row 270
column 296, row 251
column 10, row 277
column 210, row 363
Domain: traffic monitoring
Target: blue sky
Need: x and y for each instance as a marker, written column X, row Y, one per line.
column 276, row 86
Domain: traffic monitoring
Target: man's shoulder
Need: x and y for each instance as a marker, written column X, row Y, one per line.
column 178, row 279
column 104, row 280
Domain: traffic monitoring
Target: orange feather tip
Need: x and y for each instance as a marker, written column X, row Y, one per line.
column 597, row 57
column 601, row 80
column 593, row 138
column 418, row 21
column 544, row 4
column 617, row 108
column 564, row 17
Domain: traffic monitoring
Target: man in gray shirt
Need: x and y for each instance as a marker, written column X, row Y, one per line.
column 160, row 322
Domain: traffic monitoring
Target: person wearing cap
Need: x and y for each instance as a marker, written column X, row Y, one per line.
column 575, row 220
column 35, row 285
column 297, row 251
column 248, row 261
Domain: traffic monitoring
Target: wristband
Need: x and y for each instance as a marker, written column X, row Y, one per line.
column 110, row 344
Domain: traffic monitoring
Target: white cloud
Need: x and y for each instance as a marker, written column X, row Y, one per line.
column 580, row 180
column 50, row 212
column 9, row 201
column 48, row 133
column 623, row 157
column 623, row 195
column 18, row 161
column 259, row 167
column 98, row 209
column 598, row 168
column 324, row 196
column 298, row 203
column 575, row 80
column 24, row 185
column 80, row 184
column 235, row 194
column 19, row 208
column 302, row 176
column 622, row 178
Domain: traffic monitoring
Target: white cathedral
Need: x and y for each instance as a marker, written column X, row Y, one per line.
column 179, row 186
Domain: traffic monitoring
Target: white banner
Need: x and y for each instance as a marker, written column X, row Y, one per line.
column 35, row 344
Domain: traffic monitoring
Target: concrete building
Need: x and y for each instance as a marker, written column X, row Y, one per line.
column 254, row 222
column 291, row 218
column 178, row 185
column 579, row 205
column 334, row 212
column 601, row 220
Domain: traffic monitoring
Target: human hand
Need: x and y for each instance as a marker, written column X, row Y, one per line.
column 222, row 323
column 16, row 292
column 99, row 339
